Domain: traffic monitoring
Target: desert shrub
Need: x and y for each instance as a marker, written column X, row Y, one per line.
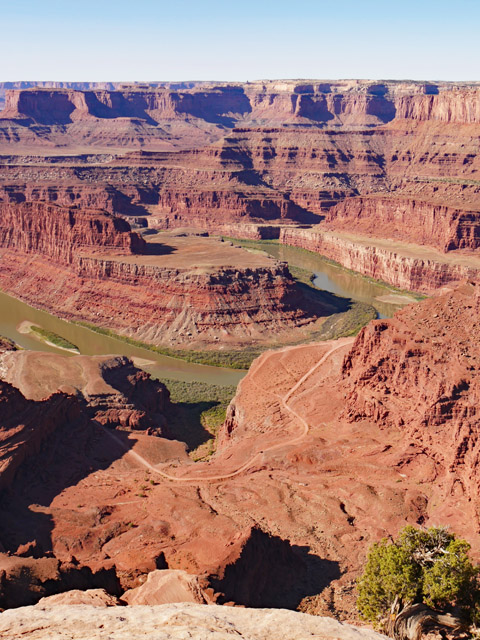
column 428, row 566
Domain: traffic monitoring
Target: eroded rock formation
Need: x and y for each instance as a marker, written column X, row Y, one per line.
column 397, row 161
column 418, row 373
column 114, row 392
column 406, row 266
column 326, row 449
column 88, row 265
column 64, row 233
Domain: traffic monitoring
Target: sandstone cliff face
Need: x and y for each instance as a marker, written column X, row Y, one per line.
column 425, row 223
column 156, row 304
column 457, row 106
column 46, row 106
column 345, row 102
column 405, row 271
column 47, row 248
column 418, row 373
column 61, row 233
column 112, row 390
column 214, row 208
column 281, row 151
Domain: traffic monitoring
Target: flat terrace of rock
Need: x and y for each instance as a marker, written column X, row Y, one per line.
column 182, row 249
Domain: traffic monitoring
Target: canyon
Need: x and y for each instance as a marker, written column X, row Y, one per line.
column 120, row 206
column 179, row 289
column 393, row 161
column 321, row 454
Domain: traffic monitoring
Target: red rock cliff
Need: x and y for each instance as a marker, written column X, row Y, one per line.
column 62, row 233
column 419, row 372
column 389, row 264
column 426, row 223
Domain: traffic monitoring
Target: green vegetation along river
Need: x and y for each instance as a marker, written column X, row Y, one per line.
column 13, row 313
column 328, row 276
column 335, row 279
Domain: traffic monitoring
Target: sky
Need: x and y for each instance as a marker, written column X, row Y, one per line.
column 148, row 40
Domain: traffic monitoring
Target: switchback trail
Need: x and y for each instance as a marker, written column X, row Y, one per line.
column 283, row 399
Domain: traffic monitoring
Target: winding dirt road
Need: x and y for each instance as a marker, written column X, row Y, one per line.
column 257, row 456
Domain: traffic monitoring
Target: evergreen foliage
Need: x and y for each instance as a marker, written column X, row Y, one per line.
column 427, row 566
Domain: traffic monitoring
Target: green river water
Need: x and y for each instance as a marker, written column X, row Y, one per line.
column 327, row 276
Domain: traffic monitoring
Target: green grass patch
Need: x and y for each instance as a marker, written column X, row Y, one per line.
column 54, row 338
column 233, row 359
column 199, row 409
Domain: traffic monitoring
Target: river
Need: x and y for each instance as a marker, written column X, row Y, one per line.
column 335, row 279
column 13, row 313
column 327, row 276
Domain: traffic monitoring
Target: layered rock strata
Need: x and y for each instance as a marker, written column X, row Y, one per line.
column 83, row 253
column 407, row 266
column 424, row 223
column 392, row 160
column 326, row 448
column 418, row 373
column 63, row 233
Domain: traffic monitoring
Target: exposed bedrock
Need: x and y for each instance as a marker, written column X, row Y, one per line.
column 49, row 249
column 112, row 390
column 171, row 622
column 25, row 424
column 23, row 581
column 211, row 209
column 326, row 449
column 352, row 102
column 61, row 233
column 427, row 223
column 418, row 373
column 413, row 269
column 284, row 151
column 155, row 304
column 265, row 565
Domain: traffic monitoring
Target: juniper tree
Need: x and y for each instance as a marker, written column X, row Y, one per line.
column 423, row 579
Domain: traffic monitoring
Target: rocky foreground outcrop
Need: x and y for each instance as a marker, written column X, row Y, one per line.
column 170, row 622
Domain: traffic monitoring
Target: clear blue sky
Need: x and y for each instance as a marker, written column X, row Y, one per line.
column 239, row 40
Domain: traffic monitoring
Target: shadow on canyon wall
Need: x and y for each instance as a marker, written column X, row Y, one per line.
column 272, row 573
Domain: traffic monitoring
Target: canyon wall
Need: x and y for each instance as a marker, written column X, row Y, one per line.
column 425, row 223
column 346, row 102
column 62, row 233
column 423, row 275
column 95, row 261
column 418, row 373
column 160, row 305
column 392, row 160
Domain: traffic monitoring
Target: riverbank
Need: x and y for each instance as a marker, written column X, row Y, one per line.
column 331, row 276
column 14, row 312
